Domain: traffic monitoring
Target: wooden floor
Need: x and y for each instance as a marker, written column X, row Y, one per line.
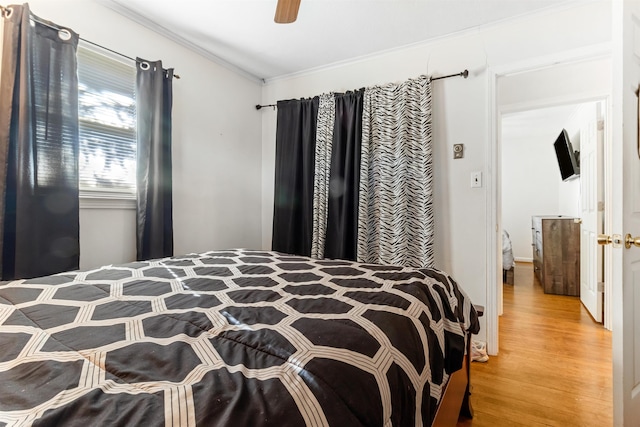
column 553, row 367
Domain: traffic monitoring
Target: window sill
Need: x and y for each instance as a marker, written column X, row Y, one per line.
column 97, row 199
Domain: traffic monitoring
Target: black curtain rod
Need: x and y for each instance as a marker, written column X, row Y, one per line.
column 5, row 11
column 464, row 74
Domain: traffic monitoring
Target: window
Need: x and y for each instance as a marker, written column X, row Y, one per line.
column 107, row 116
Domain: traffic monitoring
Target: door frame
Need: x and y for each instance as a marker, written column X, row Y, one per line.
column 494, row 171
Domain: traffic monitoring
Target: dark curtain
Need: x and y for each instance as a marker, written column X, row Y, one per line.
column 154, row 182
column 342, row 222
column 39, row 215
column 294, row 176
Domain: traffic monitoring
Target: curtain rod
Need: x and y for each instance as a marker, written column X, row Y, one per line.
column 268, row 105
column 6, row 10
column 464, row 74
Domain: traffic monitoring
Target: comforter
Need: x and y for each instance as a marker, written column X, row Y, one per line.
column 231, row 338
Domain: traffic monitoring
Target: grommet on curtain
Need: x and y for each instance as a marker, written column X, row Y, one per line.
column 64, row 34
column 8, row 11
column 145, row 65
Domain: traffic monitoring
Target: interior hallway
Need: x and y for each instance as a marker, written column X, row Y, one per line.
column 554, row 366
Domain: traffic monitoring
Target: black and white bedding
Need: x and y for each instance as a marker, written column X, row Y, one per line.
column 231, row 338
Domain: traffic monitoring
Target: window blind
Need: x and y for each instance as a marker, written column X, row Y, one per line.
column 107, row 122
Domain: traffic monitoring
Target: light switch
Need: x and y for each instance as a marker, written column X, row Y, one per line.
column 476, row 179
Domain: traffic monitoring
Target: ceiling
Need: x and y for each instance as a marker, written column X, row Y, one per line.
column 241, row 34
column 544, row 124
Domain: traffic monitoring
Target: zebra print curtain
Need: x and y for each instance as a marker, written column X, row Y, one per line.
column 337, row 176
column 324, row 140
column 396, row 209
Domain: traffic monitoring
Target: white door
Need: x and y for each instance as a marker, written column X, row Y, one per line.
column 591, row 207
column 625, row 212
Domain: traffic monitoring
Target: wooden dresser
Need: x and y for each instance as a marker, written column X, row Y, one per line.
column 556, row 254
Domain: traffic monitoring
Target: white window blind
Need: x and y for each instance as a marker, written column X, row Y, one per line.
column 107, row 115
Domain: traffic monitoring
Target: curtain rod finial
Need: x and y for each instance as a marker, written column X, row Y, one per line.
column 259, row 107
column 465, row 73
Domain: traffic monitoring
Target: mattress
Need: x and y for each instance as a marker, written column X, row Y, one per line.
column 231, row 338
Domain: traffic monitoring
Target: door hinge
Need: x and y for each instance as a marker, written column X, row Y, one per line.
column 600, row 206
column 600, row 287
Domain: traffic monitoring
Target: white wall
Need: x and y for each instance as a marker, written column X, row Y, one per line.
column 571, row 83
column 216, row 143
column 460, row 114
column 569, row 198
column 107, row 236
column 530, row 186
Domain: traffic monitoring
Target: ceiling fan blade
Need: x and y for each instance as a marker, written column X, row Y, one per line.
column 287, row 11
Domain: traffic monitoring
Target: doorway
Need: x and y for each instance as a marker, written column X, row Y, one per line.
column 535, row 183
column 543, row 83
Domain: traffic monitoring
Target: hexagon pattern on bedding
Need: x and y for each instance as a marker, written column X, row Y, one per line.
column 235, row 337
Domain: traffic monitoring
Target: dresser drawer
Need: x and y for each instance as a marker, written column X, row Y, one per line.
column 556, row 253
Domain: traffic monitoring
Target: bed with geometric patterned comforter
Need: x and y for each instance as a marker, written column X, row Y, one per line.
column 231, row 338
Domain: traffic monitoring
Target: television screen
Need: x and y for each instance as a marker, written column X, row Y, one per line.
column 567, row 158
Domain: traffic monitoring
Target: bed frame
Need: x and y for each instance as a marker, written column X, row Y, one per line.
column 456, row 402
column 507, row 276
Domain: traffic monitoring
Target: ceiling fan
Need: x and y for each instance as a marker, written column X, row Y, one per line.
column 287, row 11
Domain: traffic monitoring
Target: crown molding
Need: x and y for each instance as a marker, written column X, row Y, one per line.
column 565, row 5
column 119, row 7
column 123, row 10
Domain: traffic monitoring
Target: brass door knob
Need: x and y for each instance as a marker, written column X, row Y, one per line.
column 604, row 239
column 629, row 241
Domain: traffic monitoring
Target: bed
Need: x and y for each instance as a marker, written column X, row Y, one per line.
column 232, row 338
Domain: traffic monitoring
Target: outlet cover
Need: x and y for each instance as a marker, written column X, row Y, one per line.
column 458, row 151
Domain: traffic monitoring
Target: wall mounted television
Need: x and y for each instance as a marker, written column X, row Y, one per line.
column 568, row 159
